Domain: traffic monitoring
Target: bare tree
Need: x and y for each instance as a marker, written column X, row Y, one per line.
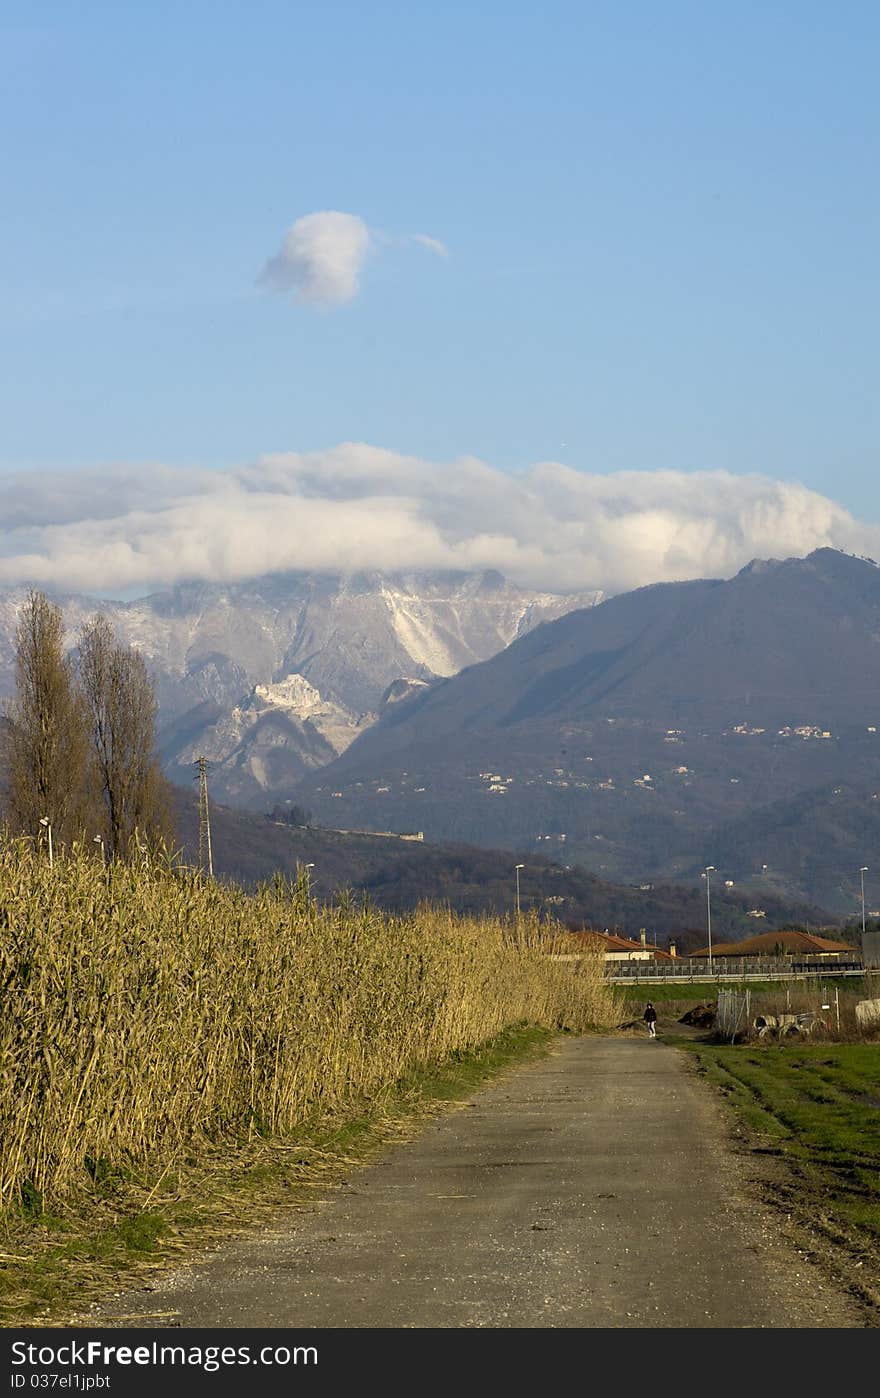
column 122, row 711
column 47, row 762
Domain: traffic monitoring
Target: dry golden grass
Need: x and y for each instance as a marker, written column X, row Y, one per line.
column 148, row 1012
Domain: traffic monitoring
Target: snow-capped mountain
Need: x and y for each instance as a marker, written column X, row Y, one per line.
column 275, row 676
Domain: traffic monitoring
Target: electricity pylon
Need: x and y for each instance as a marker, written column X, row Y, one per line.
column 204, row 818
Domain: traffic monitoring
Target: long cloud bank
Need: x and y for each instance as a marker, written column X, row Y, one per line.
column 360, row 507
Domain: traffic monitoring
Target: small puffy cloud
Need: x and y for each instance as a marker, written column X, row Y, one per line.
column 361, row 507
column 320, row 258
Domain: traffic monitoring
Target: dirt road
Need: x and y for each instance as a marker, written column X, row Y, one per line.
column 592, row 1188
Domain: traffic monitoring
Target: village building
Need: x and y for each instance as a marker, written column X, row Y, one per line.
column 615, row 948
column 782, row 943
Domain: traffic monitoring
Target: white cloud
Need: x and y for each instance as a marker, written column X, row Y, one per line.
column 320, row 258
column 432, row 244
column 361, row 507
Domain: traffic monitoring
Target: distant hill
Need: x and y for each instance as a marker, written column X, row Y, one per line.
column 399, row 874
column 672, row 727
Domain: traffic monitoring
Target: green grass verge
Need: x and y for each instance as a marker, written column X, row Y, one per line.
column 52, row 1267
column 818, row 1107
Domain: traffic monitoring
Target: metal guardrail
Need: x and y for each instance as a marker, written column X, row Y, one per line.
column 738, row 969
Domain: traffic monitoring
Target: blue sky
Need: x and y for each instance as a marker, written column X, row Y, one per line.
column 662, row 225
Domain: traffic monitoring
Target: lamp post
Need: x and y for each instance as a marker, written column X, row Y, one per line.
column 517, row 869
column 99, row 840
column 710, row 869
column 862, row 872
column 44, row 820
column 309, row 880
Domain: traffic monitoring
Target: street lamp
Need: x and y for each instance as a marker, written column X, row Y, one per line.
column 44, row 820
column 517, row 869
column 710, row 869
column 308, row 880
column 862, row 872
column 99, row 840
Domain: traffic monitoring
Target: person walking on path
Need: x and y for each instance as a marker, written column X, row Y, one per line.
column 650, row 1018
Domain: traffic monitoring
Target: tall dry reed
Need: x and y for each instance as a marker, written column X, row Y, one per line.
column 146, row 1010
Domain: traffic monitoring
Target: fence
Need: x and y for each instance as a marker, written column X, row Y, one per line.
column 733, row 1015
column 731, row 968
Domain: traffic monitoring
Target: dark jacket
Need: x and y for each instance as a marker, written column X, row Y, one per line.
column 650, row 1014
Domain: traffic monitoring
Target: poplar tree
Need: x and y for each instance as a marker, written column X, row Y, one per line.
column 121, row 706
column 47, row 763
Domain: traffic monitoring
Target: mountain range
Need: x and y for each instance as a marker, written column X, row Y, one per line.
column 275, row 676
column 732, row 723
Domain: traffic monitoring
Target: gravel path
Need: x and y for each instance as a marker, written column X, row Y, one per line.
column 592, row 1188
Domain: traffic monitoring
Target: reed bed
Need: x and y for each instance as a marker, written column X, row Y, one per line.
column 147, row 1010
